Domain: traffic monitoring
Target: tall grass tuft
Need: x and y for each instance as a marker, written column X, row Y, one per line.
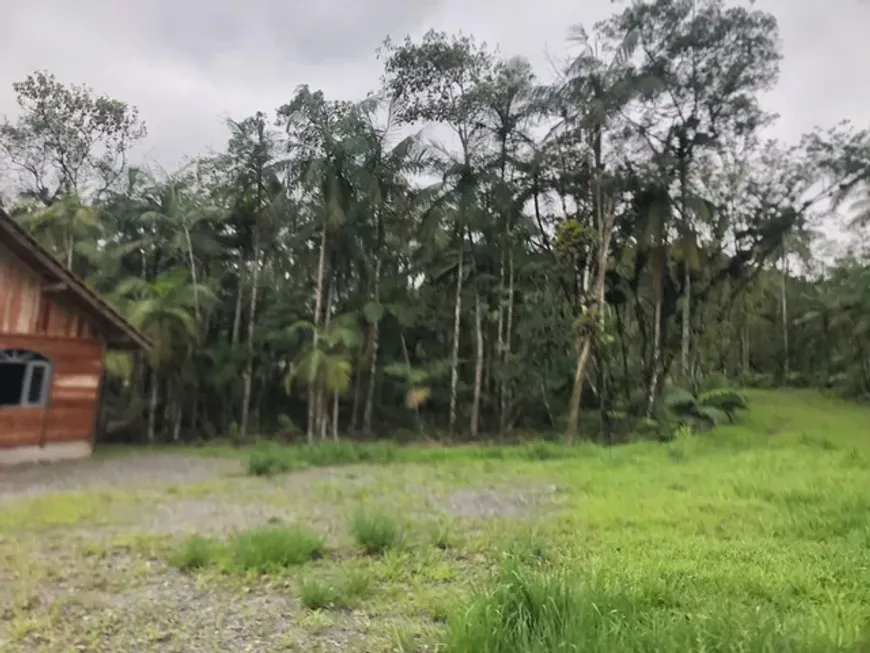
column 534, row 611
column 274, row 548
column 340, row 594
column 195, row 552
column 374, row 531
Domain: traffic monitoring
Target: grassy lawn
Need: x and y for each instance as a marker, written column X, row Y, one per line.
column 753, row 538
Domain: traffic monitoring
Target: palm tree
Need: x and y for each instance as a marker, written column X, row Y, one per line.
column 164, row 311
column 324, row 362
column 62, row 225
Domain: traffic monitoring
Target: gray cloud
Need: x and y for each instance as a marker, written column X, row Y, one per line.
column 189, row 64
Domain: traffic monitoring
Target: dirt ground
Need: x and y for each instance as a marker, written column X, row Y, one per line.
column 84, row 548
column 144, row 469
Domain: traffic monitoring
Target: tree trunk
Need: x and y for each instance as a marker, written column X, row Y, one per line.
column 454, row 361
column 407, row 358
column 192, row 264
column 177, row 417
column 152, row 407
column 237, row 315
column 373, row 364
column 335, row 416
column 686, row 335
column 357, row 395
column 318, row 303
column 656, row 358
column 784, row 301
column 323, row 414
column 585, row 342
column 588, row 331
column 478, row 366
column 249, row 369
column 504, row 393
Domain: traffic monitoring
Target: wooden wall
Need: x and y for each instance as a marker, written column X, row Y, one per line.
column 26, row 308
column 38, row 321
column 70, row 414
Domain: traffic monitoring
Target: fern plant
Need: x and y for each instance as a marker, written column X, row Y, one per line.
column 705, row 409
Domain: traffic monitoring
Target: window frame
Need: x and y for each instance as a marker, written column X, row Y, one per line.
column 31, row 361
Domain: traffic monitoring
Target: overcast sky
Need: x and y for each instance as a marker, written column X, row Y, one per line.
column 188, row 64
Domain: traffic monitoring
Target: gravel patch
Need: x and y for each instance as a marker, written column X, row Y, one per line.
column 490, row 502
column 162, row 610
column 213, row 518
column 126, row 471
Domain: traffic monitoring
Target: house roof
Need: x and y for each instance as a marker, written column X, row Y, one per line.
column 117, row 331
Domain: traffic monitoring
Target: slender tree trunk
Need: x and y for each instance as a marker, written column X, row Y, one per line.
column 152, row 408
column 192, row 264
column 504, row 393
column 784, row 302
column 323, row 391
column 656, row 357
column 70, row 250
column 237, row 314
column 318, row 303
column 478, row 366
column 373, row 364
column 588, row 332
column 178, row 414
column 454, row 361
column 249, row 369
column 686, row 335
column 499, row 347
column 357, row 399
column 407, row 358
column 335, row 416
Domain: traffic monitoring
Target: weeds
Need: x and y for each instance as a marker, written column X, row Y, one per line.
column 196, row 552
column 374, row 531
column 264, row 550
column 320, row 594
column 274, row 548
column 559, row 611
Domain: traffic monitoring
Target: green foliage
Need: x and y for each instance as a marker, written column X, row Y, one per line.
column 544, row 611
column 194, row 553
column 709, row 408
column 273, row 548
column 340, row 594
column 374, row 530
column 314, row 215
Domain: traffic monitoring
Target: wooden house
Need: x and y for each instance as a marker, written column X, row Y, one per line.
column 54, row 333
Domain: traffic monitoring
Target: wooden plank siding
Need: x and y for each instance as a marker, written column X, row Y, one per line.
column 77, row 367
column 39, row 321
column 26, row 308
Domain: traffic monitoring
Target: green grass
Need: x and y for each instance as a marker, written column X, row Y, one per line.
column 270, row 549
column 374, row 530
column 318, row 593
column 751, row 538
column 195, row 553
column 269, row 459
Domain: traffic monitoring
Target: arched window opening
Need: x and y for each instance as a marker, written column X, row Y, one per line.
column 25, row 378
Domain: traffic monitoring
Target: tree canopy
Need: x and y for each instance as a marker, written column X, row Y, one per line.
column 580, row 250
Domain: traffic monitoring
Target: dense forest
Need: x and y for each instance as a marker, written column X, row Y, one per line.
column 471, row 251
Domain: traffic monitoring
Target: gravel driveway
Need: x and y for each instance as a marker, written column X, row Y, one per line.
column 111, row 471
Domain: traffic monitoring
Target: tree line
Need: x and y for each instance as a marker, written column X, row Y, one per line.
column 575, row 248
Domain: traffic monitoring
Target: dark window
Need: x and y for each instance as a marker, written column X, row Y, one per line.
column 12, row 376
column 38, row 377
column 25, row 378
